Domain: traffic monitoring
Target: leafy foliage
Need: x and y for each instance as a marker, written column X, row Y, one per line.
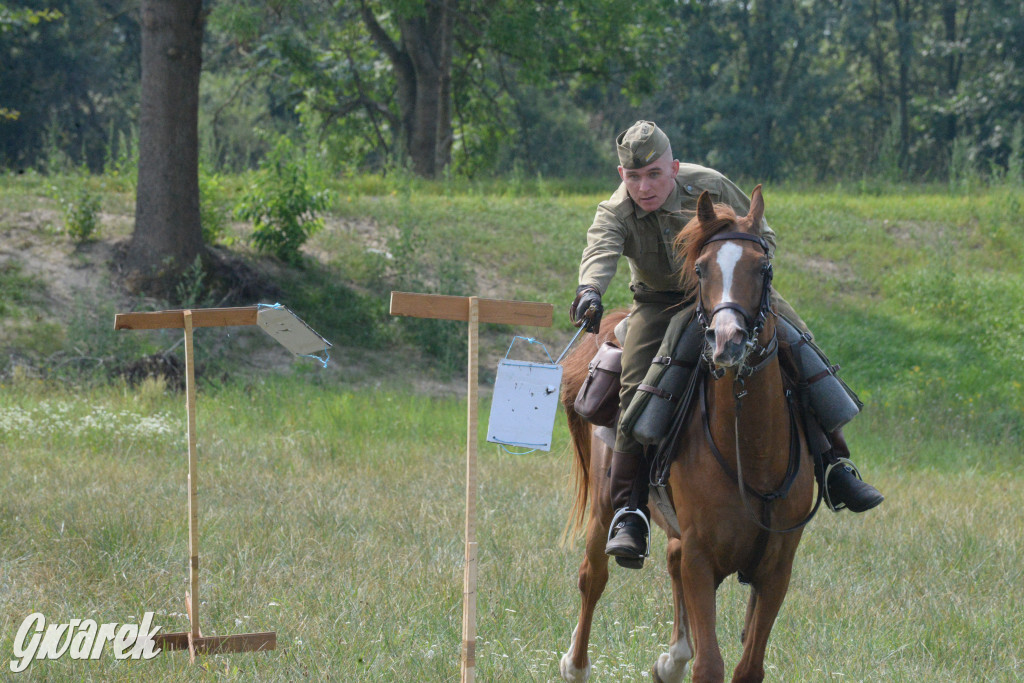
column 214, row 210
column 21, row 19
column 71, row 71
column 191, row 290
column 799, row 89
column 282, row 204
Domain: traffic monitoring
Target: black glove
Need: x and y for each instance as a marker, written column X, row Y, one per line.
column 586, row 309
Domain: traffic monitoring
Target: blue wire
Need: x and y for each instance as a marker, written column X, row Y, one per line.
column 532, row 341
column 322, row 361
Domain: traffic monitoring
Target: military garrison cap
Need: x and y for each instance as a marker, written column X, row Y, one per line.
column 641, row 144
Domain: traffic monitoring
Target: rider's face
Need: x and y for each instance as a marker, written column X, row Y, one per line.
column 651, row 185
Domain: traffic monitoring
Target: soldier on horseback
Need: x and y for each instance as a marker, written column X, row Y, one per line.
column 656, row 198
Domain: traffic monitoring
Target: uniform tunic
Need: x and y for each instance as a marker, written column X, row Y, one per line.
column 621, row 228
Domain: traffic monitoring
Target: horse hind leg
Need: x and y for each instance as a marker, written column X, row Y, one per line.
column 672, row 665
column 751, row 604
column 574, row 666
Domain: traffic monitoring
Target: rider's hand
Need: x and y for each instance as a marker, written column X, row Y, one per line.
column 586, row 309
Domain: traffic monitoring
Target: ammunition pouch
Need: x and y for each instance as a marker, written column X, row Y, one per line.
column 823, row 394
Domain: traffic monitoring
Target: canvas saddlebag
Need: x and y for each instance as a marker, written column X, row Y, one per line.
column 598, row 399
column 649, row 414
column 828, row 397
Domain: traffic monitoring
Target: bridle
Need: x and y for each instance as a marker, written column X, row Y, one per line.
column 755, row 321
column 755, row 324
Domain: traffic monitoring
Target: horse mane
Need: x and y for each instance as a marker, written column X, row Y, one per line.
column 692, row 238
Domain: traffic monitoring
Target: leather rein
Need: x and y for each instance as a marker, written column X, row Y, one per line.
column 766, row 354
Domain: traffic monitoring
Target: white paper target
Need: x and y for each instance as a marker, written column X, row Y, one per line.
column 524, row 404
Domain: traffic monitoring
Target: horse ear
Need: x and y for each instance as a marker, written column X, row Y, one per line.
column 705, row 208
column 756, row 213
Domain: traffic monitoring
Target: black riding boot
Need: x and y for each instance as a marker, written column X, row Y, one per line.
column 627, row 540
column 844, row 484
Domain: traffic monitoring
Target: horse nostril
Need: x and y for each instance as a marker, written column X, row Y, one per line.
column 709, row 336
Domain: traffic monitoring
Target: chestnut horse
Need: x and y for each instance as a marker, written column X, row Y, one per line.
column 741, row 475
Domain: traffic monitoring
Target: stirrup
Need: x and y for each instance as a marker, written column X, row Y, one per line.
column 622, row 512
column 840, row 462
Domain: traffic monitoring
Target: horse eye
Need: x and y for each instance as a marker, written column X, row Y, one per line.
column 698, row 271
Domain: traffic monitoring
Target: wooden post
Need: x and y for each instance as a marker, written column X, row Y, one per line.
column 192, row 597
column 474, row 311
column 469, row 580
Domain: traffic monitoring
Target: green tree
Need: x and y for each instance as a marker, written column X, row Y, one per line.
column 418, row 80
column 73, row 81
column 12, row 20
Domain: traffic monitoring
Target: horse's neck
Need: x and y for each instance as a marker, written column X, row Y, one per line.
column 763, row 425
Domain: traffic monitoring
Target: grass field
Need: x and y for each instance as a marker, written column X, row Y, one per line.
column 335, row 519
column 332, row 501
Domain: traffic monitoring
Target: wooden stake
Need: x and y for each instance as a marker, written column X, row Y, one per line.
column 193, row 502
column 469, row 580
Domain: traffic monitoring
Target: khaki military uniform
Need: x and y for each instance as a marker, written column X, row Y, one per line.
column 621, row 228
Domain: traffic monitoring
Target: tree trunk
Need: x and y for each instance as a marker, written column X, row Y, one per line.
column 954, row 32
column 904, row 39
column 952, row 75
column 168, row 234
column 762, row 44
column 422, row 63
column 443, row 132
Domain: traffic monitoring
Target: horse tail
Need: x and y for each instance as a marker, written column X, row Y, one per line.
column 575, row 368
column 579, row 432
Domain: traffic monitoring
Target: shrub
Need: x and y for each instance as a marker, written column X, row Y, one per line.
column 283, row 204
column 81, row 208
column 214, row 210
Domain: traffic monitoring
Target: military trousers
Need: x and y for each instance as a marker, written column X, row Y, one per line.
column 644, row 333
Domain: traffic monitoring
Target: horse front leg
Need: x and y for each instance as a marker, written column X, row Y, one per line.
column 575, row 664
column 699, row 586
column 766, row 598
column 671, row 665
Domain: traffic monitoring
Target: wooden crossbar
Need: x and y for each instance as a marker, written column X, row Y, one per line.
column 442, row 307
column 210, row 645
column 201, row 317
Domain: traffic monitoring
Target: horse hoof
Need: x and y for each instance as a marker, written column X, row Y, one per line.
column 569, row 672
column 668, row 670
